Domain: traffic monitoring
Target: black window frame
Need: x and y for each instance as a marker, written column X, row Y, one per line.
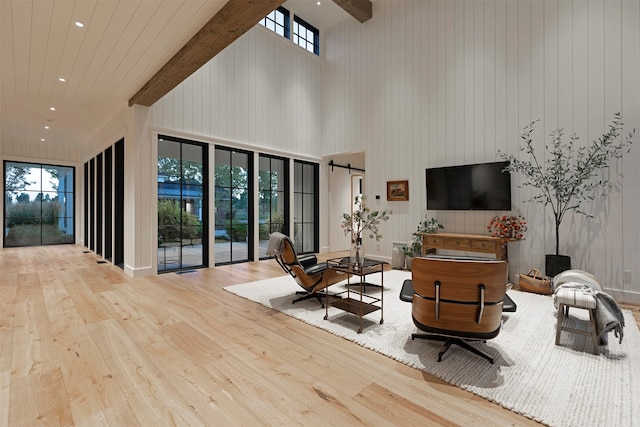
column 205, row 202
column 315, row 43
column 285, row 191
column 286, row 28
column 73, row 204
column 299, row 241
column 251, row 202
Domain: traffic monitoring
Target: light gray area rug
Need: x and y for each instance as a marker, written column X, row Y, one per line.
column 557, row 385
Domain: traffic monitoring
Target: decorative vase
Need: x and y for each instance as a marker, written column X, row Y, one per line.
column 357, row 255
column 397, row 259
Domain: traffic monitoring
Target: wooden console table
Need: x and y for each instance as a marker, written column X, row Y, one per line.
column 465, row 242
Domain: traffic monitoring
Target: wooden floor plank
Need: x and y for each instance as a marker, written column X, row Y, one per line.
column 140, row 381
column 87, row 302
column 243, row 382
column 118, row 415
column 5, row 397
column 83, row 344
column 33, row 348
column 207, row 395
column 197, row 346
column 89, row 383
column 40, row 399
column 7, row 316
column 395, row 409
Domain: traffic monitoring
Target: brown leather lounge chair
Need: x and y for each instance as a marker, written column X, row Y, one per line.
column 312, row 276
column 458, row 301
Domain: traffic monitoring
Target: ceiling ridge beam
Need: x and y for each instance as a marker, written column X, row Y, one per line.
column 362, row 10
column 234, row 19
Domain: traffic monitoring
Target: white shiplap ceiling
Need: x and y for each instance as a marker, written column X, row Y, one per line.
column 122, row 45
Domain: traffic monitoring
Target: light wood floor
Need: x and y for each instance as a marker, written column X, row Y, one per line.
column 83, row 344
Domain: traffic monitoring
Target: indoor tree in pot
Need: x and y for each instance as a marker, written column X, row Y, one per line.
column 569, row 176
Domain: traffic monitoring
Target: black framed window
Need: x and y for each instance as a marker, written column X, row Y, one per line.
column 306, row 195
column 118, row 204
column 182, row 204
column 306, row 35
column 278, row 22
column 99, row 204
column 92, row 203
column 39, row 206
column 108, row 204
column 273, row 199
column 86, row 204
column 234, row 205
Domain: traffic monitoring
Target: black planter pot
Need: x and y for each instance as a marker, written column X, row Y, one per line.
column 555, row 264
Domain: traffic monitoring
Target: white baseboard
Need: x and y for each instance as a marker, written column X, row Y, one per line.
column 139, row 272
column 629, row 297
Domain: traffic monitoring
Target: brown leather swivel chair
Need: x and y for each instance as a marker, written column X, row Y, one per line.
column 312, row 276
column 458, row 301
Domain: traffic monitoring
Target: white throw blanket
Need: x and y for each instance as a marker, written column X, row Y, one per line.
column 608, row 315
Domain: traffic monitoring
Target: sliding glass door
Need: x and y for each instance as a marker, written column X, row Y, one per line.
column 39, row 204
column 306, row 206
column 182, row 202
column 234, row 206
column 273, row 200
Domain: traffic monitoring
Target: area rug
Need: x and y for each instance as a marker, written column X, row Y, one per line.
column 556, row 385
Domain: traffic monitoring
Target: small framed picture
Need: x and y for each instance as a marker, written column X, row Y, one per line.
column 397, row 190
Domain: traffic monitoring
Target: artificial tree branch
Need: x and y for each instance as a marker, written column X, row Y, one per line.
column 564, row 180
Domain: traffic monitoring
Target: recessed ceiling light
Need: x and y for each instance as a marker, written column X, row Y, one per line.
column 42, row 139
column 62, row 79
column 52, row 108
column 79, row 24
column 318, row 3
column 46, row 127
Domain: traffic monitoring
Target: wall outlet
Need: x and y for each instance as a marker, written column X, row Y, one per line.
column 626, row 276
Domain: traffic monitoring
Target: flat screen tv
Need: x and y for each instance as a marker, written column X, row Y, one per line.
column 480, row 186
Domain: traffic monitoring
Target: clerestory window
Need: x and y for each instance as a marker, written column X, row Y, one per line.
column 278, row 22
column 306, row 35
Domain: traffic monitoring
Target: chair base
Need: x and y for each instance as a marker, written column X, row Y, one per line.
column 449, row 341
column 306, row 295
column 320, row 296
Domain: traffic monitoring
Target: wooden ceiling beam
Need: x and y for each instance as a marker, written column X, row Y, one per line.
column 362, row 10
column 234, row 19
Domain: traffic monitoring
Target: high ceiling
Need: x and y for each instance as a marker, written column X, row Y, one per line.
column 122, row 45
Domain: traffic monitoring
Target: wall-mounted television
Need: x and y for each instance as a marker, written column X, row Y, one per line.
column 481, row 186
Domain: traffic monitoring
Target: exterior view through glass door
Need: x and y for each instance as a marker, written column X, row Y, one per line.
column 306, row 191
column 273, row 199
column 38, row 204
column 234, row 206
column 182, row 204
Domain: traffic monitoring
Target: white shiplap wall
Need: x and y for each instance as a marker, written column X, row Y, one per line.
column 261, row 93
column 434, row 83
column 261, row 90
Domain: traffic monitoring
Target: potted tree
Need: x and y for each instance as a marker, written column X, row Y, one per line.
column 569, row 175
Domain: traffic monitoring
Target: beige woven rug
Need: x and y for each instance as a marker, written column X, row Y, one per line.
column 556, row 385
